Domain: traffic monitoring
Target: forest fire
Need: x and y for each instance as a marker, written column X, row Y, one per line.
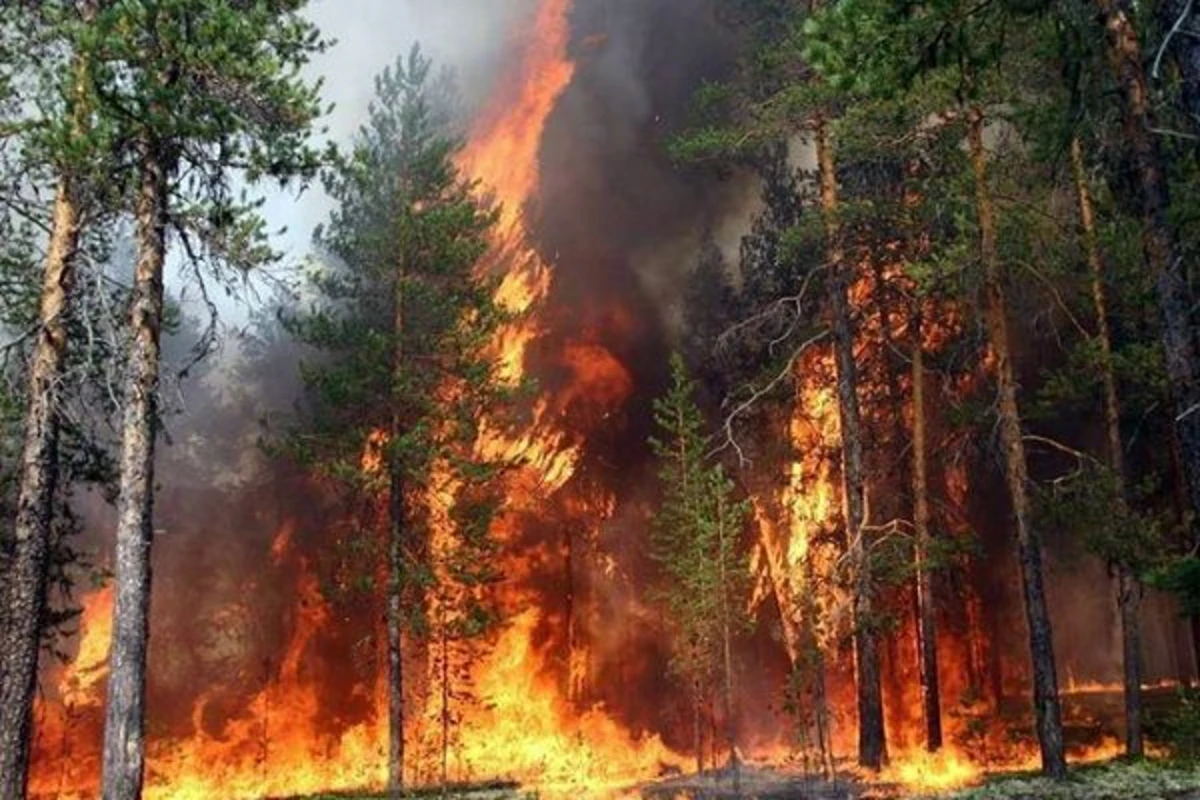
column 572, row 693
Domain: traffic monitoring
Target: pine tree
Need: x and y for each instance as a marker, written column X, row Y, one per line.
column 876, row 49
column 56, row 137
column 777, row 98
column 1160, row 239
column 695, row 537
column 197, row 94
column 406, row 325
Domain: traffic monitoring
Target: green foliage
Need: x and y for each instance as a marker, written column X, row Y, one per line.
column 696, row 536
column 1181, row 576
column 1089, row 506
column 403, row 325
column 877, row 48
column 213, row 91
column 1178, row 727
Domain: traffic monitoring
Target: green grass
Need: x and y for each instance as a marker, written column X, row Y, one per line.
column 1116, row 780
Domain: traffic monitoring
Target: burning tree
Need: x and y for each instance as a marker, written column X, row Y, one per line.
column 406, row 326
column 696, row 540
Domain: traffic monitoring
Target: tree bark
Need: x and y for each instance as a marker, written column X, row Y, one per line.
column 1128, row 588
column 1029, row 548
column 396, row 524
column 727, row 640
column 124, row 724
column 927, row 655
column 25, row 595
column 871, row 738
column 1159, row 240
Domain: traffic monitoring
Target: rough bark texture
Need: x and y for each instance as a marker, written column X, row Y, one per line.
column 1029, row 548
column 395, row 652
column 24, row 593
column 1128, row 590
column 1158, row 238
column 124, row 723
column 927, row 655
column 25, row 596
column 871, row 737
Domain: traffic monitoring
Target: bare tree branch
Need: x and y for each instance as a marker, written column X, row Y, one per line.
column 749, row 403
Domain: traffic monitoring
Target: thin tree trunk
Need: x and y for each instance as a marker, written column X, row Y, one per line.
column 1158, row 240
column 1029, row 548
column 871, row 738
column 25, row 598
column 727, row 638
column 821, row 710
column 445, row 700
column 697, row 725
column 1128, row 588
column 396, row 524
column 926, row 613
column 124, row 724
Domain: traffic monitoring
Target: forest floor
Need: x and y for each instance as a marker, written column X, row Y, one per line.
column 1117, row 780
column 1114, row 780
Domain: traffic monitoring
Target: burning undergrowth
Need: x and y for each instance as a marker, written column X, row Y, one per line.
column 265, row 664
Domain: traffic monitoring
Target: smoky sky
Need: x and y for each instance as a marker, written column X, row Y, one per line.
column 471, row 37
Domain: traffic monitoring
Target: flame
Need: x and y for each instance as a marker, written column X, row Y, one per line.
column 525, row 721
column 529, row 732
column 920, row 771
column 80, row 682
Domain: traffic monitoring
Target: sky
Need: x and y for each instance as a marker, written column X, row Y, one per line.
column 468, row 35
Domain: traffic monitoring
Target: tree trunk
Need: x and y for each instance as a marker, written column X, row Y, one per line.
column 698, row 725
column 445, row 699
column 1128, row 588
column 821, row 710
column 871, row 738
column 396, row 522
column 124, row 734
column 1158, row 239
column 727, row 638
column 25, row 598
column 927, row 655
column 1029, row 548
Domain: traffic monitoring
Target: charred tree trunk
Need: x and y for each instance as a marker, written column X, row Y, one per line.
column 1029, row 548
column 1159, row 240
column 396, row 571
column 927, row 655
column 124, row 724
column 871, row 738
column 1128, row 589
column 25, row 598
